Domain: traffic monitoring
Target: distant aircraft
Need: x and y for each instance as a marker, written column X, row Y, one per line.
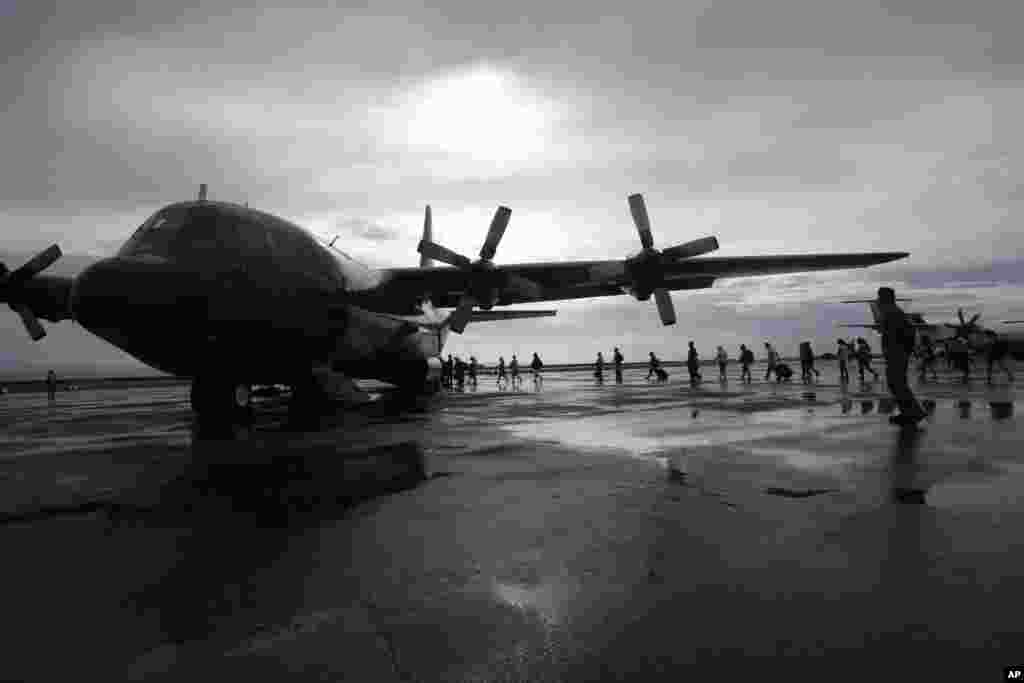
column 231, row 297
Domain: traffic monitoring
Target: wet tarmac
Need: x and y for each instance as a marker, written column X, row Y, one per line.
column 584, row 532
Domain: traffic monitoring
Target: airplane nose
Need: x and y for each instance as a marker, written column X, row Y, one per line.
column 118, row 291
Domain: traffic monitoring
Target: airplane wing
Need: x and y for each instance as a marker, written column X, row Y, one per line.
column 446, row 286
column 470, row 284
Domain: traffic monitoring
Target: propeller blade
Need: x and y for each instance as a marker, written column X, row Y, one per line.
column 974, row 319
column 460, row 316
column 688, row 249
column 428, row 236
column 32, row 324
column 665, row 308
column 35, row 265
column 643, row 224
column 524, row 287
column 494, row 234
column 960, row 312
column 439, row 253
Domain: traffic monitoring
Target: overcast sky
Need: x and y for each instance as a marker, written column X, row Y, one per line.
column 780, row 127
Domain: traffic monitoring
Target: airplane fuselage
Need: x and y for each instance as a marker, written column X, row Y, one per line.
column 215, row 286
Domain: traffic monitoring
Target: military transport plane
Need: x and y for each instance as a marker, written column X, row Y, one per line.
column 230, row 297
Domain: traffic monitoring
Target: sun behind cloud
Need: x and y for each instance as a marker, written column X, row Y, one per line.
column 480, row 120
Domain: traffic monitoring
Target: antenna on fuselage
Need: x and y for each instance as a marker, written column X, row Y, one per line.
column 202, row 192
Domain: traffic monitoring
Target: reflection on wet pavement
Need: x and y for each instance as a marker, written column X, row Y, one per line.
column 276, row 536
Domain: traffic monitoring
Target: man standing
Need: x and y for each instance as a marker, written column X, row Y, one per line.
column 897, row 345
column 723, row 359
column 472, row 370
column 617, row 360
column 599, row 368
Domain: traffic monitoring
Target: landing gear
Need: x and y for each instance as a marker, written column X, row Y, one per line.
column 218, row 402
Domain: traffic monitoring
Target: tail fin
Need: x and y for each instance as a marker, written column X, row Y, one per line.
column 428, row 236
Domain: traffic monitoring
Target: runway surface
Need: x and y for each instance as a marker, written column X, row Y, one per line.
column 581, row 532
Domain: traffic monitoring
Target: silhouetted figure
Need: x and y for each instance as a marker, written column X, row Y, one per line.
column 599, row 368
column 746, row 358
column 51, row 385
column 807, row 363
column 617, row 360
column 773, row 360
column 472, row 370
column 502, row 376
column 536, row 366
column 722, row 356
column 653, row 365
column 460, row 373
column 693, row 364
column 997, row 351
column 927, row 354
column 449, row 371
column 843, row 352
column 783, row 373
column 864, row 358
column 960, row 355
column 897, row 344
column 513, row 368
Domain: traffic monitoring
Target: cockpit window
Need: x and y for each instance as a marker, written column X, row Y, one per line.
column 156, row 236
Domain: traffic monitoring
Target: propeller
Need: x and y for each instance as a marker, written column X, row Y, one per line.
column 647, row 269
column 484, row 284
column 966, row 327
column 12, row 285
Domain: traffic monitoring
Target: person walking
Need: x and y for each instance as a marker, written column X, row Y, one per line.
column 599, row 368
column 807, row 363
column 722, row 356
column 897, row 343
column 472, row 371
column 502, row 376
column 864, row 358
column 927, row 354
column 773, row 360
column 843, row 355
column 535, row 367
column 960, row 356
column 693, row 364
column 51, row 385
column 617, row 360
column 996, row 351
column 513, row 368
column 746, row 358
column 653, row 365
